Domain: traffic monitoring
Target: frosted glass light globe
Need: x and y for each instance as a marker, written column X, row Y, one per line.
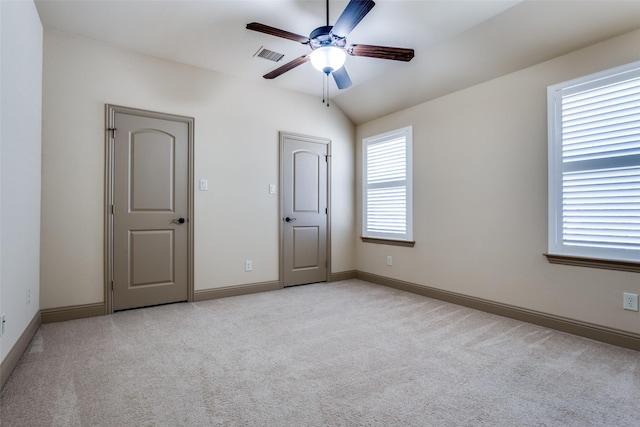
column 328, row 59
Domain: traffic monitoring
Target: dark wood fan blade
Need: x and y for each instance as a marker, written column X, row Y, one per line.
column 382, row 52
column 286, row 67
column 261, row 28
column 351, row 16
column 342, row 78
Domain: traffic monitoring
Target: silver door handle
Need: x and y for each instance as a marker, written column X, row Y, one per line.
column 178, row 221
column 289, row 219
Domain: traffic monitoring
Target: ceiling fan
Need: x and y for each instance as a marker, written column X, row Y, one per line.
column 329, row 44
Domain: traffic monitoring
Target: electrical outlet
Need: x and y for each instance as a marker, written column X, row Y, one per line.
column 389, row 260
column 2, row 323
column 248, row 265
column 28, row 296
column 630, row 301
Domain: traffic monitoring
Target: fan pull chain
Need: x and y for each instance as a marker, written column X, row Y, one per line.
column 327, row 77
column 325, row 88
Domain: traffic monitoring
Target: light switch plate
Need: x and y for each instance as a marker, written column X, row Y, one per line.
column 204, row 185
column 272, row 189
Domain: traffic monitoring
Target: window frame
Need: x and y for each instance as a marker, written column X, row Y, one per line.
column 558, row 252
column 405, row 239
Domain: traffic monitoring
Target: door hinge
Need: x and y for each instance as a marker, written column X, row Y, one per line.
column 326, row 211
column 113, row 132
column 113, row 209
column 112, row 285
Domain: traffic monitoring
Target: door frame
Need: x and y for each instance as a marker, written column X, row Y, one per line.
column 315, row 140
column 110, row 111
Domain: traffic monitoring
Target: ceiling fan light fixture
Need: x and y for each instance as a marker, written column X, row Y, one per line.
column 328, row 59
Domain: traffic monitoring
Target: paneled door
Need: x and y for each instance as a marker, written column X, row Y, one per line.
column 150, row 209
column 304, row 209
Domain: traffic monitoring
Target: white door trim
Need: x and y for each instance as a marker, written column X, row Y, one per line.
column 311, row 139
column 110, row 111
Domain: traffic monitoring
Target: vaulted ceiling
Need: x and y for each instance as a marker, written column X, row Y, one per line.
column 457, row 43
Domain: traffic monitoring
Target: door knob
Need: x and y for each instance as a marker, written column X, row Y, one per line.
column 178, row 221
column 289, row 219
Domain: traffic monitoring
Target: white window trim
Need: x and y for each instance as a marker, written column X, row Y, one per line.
column 556, row 247
column 374, row 237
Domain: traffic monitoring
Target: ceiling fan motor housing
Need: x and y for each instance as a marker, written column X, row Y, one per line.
column 322, row 37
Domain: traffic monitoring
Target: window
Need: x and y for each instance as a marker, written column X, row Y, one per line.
column 594, row 166
column 387, row 186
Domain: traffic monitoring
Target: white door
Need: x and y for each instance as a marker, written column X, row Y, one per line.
column 304, row 208
column 150, row 211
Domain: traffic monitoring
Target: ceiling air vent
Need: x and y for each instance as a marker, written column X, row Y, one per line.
column 269, row 54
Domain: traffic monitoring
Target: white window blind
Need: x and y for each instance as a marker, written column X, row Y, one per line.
column 594, row 165
column 387, row 188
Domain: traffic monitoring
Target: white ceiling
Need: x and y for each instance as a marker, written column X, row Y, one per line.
column 457, row 43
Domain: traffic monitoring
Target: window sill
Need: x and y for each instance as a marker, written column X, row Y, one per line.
column 405, row 243
column 633, row 267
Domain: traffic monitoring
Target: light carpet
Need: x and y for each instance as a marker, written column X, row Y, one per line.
column 338, row 354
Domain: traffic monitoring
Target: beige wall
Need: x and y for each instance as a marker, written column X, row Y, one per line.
column 480, row 197
column 20, row 141
column 236, row 149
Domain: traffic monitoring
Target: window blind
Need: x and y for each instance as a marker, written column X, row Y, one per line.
column 600, row 130
column 386, row 192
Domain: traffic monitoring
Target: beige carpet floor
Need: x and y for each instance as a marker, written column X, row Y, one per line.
column 338, row 354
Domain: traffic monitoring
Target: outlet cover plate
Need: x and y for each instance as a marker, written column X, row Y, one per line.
column 630, row 301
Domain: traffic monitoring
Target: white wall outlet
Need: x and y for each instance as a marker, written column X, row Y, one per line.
column 389, row 260
column 630, row 301
column 248, row 265
column 2, row 323
column 204, row 185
